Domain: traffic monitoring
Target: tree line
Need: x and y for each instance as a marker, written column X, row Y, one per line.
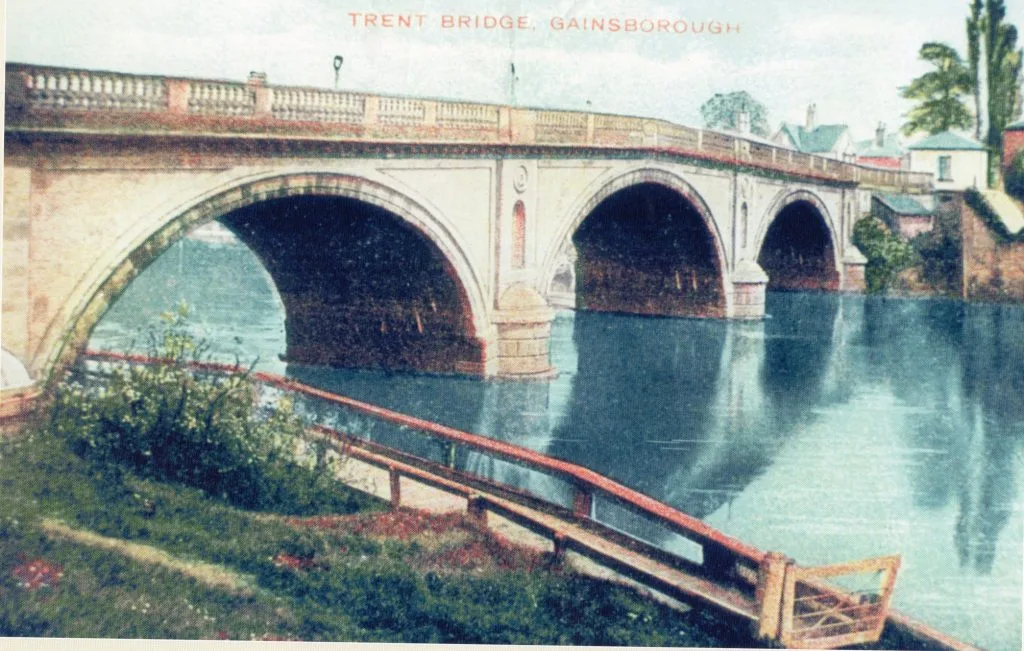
column 990, row 76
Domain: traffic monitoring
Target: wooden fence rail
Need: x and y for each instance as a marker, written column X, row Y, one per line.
column 793, row 605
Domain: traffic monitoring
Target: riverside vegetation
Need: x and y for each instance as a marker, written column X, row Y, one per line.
column 155, row 504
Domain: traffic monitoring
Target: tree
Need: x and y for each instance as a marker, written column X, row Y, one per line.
column 939, row 92
column 995, row 62
column 995, row 67
column 722, row 111
column 974, row 22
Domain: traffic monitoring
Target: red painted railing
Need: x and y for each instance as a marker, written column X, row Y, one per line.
column 585, row 481
column 737, row 566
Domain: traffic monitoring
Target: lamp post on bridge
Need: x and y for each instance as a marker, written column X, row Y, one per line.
column 338, row 60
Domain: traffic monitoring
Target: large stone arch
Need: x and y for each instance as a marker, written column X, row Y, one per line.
column 118, row 268
column 783, row 200
column 614, row 181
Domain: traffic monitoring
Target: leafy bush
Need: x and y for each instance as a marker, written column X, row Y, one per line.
column 166, row 422
column 1014, row 177
column 940, row 250
column 887, row 254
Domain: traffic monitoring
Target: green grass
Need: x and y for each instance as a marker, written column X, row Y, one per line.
column 454, row 584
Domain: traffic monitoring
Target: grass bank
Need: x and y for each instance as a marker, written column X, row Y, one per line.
column 87, row 552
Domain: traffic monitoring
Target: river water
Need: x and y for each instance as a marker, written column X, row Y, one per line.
column 841, row 427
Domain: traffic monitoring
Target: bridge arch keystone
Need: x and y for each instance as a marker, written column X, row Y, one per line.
column 112, row 275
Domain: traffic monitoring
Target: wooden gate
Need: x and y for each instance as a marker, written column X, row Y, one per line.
column 836, row 605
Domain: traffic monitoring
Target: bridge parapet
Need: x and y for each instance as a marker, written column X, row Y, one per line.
column 44, row 98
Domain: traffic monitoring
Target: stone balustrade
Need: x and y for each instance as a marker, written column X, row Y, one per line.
column 460, row 114
column 217, row 98
column 71, row 90
column 401, row 111
column 36, row 91
column 314, row 105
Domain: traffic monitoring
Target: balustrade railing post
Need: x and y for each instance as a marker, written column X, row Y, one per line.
column 452, row 453
column 504, row 125
column 177, row 95
column 429, row 113
column 371, row 111
column 258, row 85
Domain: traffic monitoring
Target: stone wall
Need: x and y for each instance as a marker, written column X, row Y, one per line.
column 993, row 268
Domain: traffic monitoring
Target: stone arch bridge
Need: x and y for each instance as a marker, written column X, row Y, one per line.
column 404, row 232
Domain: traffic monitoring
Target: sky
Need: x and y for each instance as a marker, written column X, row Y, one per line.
column 848, row 57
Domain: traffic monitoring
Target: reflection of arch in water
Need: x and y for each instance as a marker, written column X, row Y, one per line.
column 799, row 341
column 642, row 390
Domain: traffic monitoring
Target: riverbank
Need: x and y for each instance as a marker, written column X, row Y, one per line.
column 84, row 556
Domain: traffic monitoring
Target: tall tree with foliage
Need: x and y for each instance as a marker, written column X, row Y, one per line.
column 723, row 109
column 974, row 22
column 939, row 92
column 995, row 63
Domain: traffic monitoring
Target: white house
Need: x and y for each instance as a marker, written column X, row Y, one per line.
column 956, row 161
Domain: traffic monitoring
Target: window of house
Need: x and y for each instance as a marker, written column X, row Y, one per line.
column 945, row 165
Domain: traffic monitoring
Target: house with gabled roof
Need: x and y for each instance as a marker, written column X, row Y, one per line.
column 884, row 150
column 958, row 162
column 830, row 140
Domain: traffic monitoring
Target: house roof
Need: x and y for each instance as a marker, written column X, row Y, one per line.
column 890, row 148
column 947, row 140
column 1016, row 126
column 818, row 140
column 901, row 204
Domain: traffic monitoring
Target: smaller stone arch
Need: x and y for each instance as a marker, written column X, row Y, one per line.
column 611, row 183
column 783, row 202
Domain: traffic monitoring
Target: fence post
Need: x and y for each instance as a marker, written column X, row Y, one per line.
column 771, row 576
column 476, row 507
column 582, row 502
column 452, row 448
column 396, row 487
column 558, row 540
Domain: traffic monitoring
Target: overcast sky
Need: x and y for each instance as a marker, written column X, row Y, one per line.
column 849, row 57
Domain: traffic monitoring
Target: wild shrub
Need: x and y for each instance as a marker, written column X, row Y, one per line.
column 168, row 422
column 940, row 250
column 887, row 254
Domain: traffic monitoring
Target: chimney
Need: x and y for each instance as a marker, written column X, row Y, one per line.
column 880, row 135
column 810, row 117
column 743, row 122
